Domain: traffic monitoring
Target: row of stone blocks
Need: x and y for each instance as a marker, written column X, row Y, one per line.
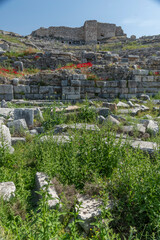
column 75, row 89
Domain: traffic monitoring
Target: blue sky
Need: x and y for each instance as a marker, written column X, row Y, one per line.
column 138, row 17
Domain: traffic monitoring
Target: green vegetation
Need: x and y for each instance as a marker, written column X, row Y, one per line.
column 87, row 164
column 23, row 53
column 11, row 39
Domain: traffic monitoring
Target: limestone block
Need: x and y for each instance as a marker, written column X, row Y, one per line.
column 41, row 182
column 70, row 90
column 110, row 90
column 4, row 104
column 75, row 83
column 18, row 125
column 150, row 84
column 113, row 83
column 15, row 81
column 122, row 83
column 113, row 95
column 37, row 96
column 24, row 113
column 87, row 83
column 5, row 135
column 112, row 120
column 21, row 89
column 7, row 190
column 64, row 83
column 148, row 79
column 122, row 105
column 123, row 90
column 29, row 96
column 72, row 96
column 140, row 72
column 149, row 147
column 89, row 89
column 132, row 90
column 88, row 95
column 34, row 89
column 90, row 209
column 97, row 90
column 104, row 95
column 6, row 92
column 138, row 78
column 153, row 126
column 100, row 83
column 79, row 77
column 45, row 89
column 132, row 83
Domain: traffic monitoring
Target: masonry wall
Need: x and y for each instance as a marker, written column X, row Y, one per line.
column 89, row 33
column 76, row 87
column 105, row 30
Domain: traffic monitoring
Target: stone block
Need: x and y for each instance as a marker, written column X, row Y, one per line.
column 5, row 135
column 72, row 97
column 18, row 125
column 132, row 90
column 64, row 83
column 70, row 90
column 34, row 89
column 7, row 190
column 140, row 72
column 82, row 77
column 45, row 89
column 104, row 95
column 123, row 90
column 87, row 95
column 41, row 181
column 90, row 89
column 75, row 83
column 138, row 78
column 97, row 90
column 79, row 77
column 100, row 83
column 29, row 96
column 24, row 113
column 132, row 84
column 87, row 83
column 148, row 79
column 21, row 89
column 122, row 83
column 38, row 96
column 7, row 97
column 6, row 92
column 113, row 83
column 4, row 88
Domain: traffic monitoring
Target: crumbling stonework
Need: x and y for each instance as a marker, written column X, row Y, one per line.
column 91, row 32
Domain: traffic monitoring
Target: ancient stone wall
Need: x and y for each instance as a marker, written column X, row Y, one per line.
column 91, row 32
column 105, row 30
column 76, row 87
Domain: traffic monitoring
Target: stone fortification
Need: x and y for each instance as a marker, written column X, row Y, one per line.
column 55, row 85
column 91, row 32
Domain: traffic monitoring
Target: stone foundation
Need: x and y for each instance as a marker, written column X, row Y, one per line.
column 76, row 87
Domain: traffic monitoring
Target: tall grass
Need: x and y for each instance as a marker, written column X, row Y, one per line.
column 129, row 178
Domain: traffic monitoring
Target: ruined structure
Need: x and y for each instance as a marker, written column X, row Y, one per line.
column 91, row 32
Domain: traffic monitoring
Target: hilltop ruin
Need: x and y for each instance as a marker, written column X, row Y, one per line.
column 91, row 33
